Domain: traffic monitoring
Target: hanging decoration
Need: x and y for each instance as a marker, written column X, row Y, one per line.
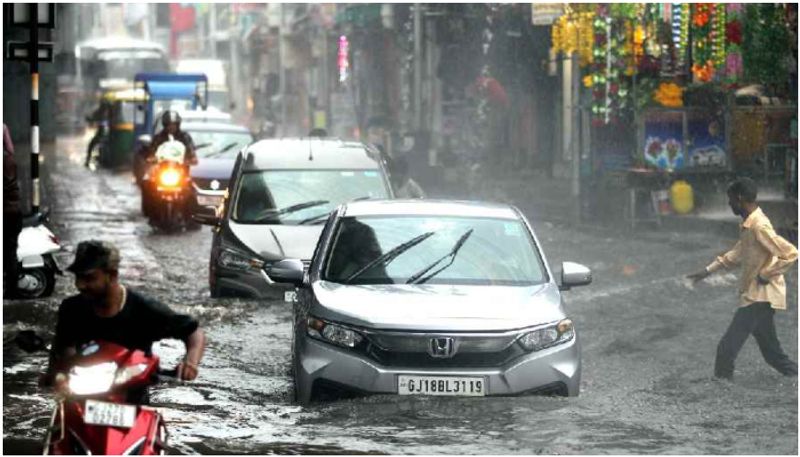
column 733, row 42
column 669, row 95
column 702, row 63
column 573, row 32
column 718, row 36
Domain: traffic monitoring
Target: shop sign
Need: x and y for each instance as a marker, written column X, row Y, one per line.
column 546, row 13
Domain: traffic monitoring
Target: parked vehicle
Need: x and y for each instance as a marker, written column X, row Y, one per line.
column 36, row 253
column 280, row 193
column 99, row 411
column 422, row 297
column 217, row 145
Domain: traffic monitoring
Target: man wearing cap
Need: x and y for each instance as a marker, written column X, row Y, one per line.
column 108, row 311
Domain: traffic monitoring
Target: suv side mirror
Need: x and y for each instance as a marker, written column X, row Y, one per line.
column 206, row 215
column 573, row 275
column 289, row 271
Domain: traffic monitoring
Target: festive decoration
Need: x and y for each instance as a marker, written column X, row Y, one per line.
column 669, row 95
column 573, row 32
column 734, row 67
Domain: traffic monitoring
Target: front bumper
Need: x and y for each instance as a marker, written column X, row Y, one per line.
column 252, row 284
column 325, row 363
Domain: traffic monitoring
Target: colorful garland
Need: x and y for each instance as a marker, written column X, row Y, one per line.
column 733, row 42
column 573, row 32
column 669, row 95
column 703, row 65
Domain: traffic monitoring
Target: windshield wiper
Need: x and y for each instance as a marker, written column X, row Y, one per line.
column 389, row 256
column 273, row 213
column 417, row 278
column 223, row 150
column 314, row 218
column 202, row 145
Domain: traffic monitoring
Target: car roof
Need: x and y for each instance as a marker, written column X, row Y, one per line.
column 209, row 126
column 205, row 115
column 310, row 153
column 444, row 208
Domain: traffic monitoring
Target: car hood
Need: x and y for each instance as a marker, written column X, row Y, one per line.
column 278, row 241
column 212, row 169
column 438, row 307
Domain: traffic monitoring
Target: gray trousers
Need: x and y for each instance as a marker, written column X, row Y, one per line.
column 756, row 319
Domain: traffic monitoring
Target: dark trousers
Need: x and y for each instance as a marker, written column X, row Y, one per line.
column 12, row 225
column 757, row 319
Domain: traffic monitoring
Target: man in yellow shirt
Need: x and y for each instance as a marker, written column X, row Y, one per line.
column 764, row 257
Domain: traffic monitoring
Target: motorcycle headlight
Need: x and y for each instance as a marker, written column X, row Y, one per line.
column 125, row 374
column 239, row 261
column 545, row 337
column 93, row 379
column 169, row 177
column 333, row 333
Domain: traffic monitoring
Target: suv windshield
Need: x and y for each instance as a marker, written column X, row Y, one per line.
column 265, row 196
column 219, row 145
column 433, row 250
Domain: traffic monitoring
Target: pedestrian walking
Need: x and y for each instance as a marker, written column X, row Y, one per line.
column 12, row 214
column 764, row 257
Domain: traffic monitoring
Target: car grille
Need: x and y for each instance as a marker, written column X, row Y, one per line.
column 205, row 184
column 472, row 351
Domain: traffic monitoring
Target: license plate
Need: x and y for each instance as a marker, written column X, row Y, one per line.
column 208, row 200
column 290, row 296
column 112, row 414
column 441, row 385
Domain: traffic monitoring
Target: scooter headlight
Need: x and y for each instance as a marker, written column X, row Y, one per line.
column 125, row 374
column 94, row 379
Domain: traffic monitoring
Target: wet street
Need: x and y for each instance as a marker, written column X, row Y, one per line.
column 648, row 338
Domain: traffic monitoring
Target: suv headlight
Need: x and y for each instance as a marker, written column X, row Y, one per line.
column 333, row 333
column 238, row 261
column 551, row 335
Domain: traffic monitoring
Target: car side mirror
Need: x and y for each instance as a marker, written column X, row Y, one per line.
column 206, row 215
column 573, row 275
column 288, row 271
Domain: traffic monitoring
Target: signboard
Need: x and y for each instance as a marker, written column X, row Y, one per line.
column 20, row 50
column 546, row 13
column 45, row 15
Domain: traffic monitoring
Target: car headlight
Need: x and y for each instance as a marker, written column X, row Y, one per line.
column 238, row 261
column 551, row 335
column 333, row 333
column 125, row 374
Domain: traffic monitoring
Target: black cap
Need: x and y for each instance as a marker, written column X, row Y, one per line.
column 94, row 254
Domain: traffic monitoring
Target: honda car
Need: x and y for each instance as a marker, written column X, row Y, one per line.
column 415, row 297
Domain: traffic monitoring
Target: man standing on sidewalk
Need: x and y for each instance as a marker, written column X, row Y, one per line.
column 764, row 257
column 12, row 214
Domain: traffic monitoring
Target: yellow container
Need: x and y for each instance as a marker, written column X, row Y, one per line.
column 681, row 197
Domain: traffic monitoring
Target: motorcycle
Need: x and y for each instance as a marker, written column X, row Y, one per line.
column 36, row 261
column 169, row 188
column 98, row 406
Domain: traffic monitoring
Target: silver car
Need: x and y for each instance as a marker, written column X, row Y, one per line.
column 415, row 297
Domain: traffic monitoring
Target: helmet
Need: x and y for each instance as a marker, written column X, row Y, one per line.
column 170, row 117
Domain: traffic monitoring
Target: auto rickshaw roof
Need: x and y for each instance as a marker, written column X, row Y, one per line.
column 171, row 90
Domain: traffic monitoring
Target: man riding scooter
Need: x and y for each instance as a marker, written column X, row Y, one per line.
column 171, row 121
column 108, row 311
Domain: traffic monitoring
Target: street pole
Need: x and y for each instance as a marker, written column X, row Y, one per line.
column 212, row 28
column 575, row 135
column 417, row 67
column 33, row 52
column 282, row 68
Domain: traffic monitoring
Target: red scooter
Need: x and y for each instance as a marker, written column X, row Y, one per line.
column 94, row 414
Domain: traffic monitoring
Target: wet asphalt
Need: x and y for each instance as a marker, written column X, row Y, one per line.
column 648, row 340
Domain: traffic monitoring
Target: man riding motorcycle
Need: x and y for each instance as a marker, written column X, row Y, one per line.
column 171, row 121
column 108, row 311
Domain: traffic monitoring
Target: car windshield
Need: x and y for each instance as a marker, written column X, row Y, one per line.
column 434, row 250
column 219, row 145
column 267, row 196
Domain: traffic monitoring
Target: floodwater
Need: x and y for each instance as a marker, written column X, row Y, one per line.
column 648, row 339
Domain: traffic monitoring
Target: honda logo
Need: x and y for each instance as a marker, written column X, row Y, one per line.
column 442, row 348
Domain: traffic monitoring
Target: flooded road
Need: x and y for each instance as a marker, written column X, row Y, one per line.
column 648, row 338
